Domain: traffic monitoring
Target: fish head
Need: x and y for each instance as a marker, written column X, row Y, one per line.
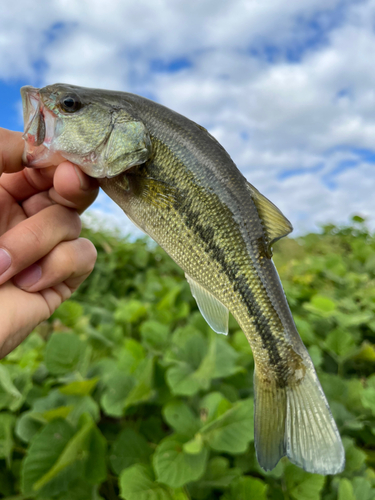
column 95, row 129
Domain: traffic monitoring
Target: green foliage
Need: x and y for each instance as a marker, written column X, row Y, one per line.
column 127, row 393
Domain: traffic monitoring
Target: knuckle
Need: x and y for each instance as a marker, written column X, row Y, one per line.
column 35, row 235
column 76, row 225
column 77, row 258
column 4, row 160
column 70, row 219
column 89, row 252
column 68, row 261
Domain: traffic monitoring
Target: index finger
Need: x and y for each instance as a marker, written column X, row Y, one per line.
column 11, row 149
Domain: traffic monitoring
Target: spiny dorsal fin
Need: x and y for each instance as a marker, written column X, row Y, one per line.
column 213, row 311
column 276, row 224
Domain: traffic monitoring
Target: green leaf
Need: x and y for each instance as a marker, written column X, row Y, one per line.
column 181, row 380
column 74, row 451
column 233, row 430
column 195, row 445
column 246, row 488
column 124, row 390
column 217, row 476
column 128, row 449
column 7, row 421
column 95, row 469
column 54, row 413
column 6, row 480
column 80, row 387
column 138, row 483
column 45, row 450
column 169, row 299
column 220, row 360
column 154, row 334
column 175, row 467
column 28, row 425
column 362, row 489
column 324, row 304
column 69, row 313
column 113, row 399
column 10, row 396
column 358, row 218
column 181, row 418
column 213, row 406
column 80, row 490
column 320, row 305
column 186, row 377
column 63, row 353
column 354, row 457
column 316, row 355
column 86, row 446
column 196, row 365
column 302, row 485
column 340, row 342
column 241, row 344
column 130, row 311
column 366, row 353
column 345, row 491
column 57, row 456
column 142, row 390
column 368, row 399
column 80, row 405
column 141, row 258
column 130, row 356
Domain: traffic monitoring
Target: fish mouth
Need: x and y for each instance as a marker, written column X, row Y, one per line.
column 39, row 130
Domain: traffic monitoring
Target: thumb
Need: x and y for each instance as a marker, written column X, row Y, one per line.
column 11, row 149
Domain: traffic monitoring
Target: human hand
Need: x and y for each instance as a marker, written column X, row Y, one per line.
column 42, row 258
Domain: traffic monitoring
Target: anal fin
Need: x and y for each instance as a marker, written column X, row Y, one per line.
column 213, row 311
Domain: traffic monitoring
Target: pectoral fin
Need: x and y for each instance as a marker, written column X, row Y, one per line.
column 276, row 224
column 213, row 311
column 129, row 144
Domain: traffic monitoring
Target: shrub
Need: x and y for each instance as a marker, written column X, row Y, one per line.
column 127, row 393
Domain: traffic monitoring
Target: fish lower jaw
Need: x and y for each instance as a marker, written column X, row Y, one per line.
column 41, row 157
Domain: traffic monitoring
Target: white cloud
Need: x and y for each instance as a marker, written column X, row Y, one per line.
column 271, row 117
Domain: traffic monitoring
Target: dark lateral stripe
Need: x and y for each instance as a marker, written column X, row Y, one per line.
column 240, row 284
column 269, row 341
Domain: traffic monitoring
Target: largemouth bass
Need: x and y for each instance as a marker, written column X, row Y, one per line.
column 179, row 185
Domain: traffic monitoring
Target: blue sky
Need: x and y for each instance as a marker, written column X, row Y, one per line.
column 10, row 116
column 287, row 88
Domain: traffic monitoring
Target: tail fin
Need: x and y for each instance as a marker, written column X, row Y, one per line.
column 296, row 421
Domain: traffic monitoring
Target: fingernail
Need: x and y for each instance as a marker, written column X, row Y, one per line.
column 5, row 260
column 28, row 276
column 83, row 179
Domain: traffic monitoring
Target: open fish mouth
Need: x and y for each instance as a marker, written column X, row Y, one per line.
column 39, row 132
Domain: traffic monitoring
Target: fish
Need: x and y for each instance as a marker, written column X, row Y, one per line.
column 175, row 181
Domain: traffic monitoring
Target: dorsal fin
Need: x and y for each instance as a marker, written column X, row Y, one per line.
column 213, row 311
column 275, row 223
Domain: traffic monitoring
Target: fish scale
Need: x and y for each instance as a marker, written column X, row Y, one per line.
column 245, row 296
column 180, row 186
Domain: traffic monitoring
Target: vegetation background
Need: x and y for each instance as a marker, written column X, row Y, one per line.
column 127, row 393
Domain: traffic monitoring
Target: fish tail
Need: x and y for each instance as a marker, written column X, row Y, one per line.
column 295, row 420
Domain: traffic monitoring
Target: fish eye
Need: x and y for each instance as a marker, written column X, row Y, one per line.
column 70, row 103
